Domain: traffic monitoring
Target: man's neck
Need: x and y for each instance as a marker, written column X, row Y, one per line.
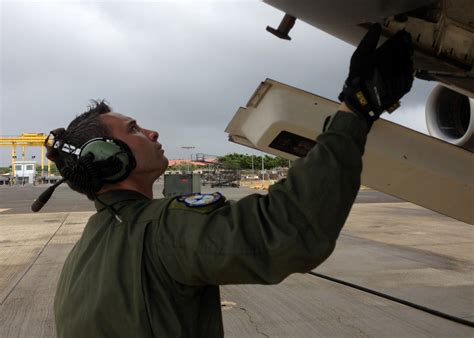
column 144, row 188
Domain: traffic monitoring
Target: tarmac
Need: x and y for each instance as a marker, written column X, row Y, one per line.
column 387, row 245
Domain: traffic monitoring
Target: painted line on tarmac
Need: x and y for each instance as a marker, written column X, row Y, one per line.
column 9, row 290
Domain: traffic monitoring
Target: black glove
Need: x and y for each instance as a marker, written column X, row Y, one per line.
column 378, row 78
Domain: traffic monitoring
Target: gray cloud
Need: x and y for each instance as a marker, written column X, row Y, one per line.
column 180, row 67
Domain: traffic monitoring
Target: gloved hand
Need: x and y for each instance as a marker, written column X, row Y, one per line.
column 378, row 78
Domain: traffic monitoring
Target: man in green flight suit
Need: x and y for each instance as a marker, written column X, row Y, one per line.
column 149, row 267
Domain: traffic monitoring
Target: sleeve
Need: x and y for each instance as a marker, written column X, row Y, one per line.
column 262, row 239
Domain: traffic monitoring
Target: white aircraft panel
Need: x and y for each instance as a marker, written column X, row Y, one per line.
column 397, row 160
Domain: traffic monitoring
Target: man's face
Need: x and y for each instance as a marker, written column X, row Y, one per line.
column 143, row 143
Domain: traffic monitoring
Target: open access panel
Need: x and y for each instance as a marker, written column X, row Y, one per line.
column 285, row 121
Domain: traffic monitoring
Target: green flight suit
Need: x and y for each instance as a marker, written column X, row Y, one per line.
column 157, row 273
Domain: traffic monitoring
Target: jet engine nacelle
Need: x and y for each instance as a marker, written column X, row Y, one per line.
column 450, row 117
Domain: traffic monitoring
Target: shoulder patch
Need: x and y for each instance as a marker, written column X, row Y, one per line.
column 202, row 203
column 200, row 200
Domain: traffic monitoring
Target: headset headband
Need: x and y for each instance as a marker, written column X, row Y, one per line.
column 72, row 149
column 53, row 140
column 67, row 148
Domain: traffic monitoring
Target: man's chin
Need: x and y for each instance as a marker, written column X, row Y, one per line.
column 163, row 167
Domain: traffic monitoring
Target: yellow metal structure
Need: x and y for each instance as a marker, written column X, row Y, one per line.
column 23, row 141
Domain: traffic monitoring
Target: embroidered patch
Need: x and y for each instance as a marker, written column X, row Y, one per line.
column 200, row 200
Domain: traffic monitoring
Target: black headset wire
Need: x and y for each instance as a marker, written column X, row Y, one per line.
column 111, row 209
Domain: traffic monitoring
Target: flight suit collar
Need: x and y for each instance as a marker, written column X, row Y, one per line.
column 115, row 196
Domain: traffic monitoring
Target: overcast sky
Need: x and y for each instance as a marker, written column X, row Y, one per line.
column 180, row 67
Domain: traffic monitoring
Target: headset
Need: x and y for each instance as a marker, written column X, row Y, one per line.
column 106, row 160
column 113, row 153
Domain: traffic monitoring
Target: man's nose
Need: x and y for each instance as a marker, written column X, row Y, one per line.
column 153, row 135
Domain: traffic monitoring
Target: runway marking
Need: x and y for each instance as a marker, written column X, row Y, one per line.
column 2, row 210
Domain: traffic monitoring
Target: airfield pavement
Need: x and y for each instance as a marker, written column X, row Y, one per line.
column 387, row 245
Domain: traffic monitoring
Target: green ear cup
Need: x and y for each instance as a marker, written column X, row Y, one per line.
column 112, row 153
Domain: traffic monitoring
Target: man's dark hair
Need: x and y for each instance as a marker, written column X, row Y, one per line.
column 84, row 127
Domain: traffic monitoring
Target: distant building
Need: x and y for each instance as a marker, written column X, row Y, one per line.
column 25, row 171
column 184, row 162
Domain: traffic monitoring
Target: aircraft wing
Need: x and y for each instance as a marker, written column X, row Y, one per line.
column 442, row 30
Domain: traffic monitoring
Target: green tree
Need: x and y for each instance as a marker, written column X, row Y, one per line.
column 244, row 161
column 183, row 167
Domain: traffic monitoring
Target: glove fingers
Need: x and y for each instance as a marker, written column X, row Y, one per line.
column 400, row 85
column 399, row 45
column 384, row 74
column 368, row 44
column 407, row 82
column 394, row 57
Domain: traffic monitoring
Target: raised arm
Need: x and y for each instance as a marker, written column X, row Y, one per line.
column 264, row 238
